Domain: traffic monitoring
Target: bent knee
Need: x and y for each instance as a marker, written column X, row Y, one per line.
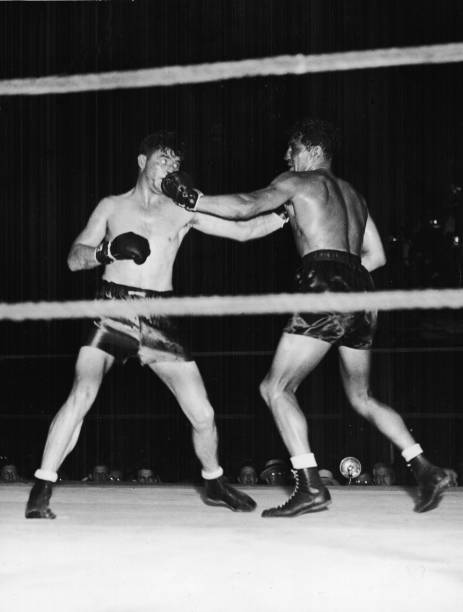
column 361, row 403
column 271, row 389
column 203, row 421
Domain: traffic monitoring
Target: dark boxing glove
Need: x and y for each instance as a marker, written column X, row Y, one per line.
column 179, row 187
column 125, row 246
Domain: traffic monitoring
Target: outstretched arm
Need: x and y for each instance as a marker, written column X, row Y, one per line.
column 250, row 229
column 178, row 187
column 373, row 255
column 82, row 253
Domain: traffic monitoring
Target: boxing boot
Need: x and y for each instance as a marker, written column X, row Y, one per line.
column 432, row 482
column 309, row 495
column 218, row 492
column 39, row 498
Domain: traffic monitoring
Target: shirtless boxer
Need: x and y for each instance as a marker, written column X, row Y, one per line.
column 136, row 237
column 339, row 246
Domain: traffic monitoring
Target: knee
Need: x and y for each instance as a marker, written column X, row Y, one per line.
column 204, row 420
column 271, row 389
column 361, row 403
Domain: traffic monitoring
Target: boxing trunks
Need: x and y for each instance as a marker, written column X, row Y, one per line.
column 330, row 270
column 151, row 339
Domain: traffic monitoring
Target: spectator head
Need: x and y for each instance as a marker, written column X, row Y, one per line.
column 364, row 479
column 146, row 476
column 383, row 475
column 247, row 475
column 100, row 473
column 453, row 477
column 275, row 472
column 9, row 473
column 327, row 478
column 115, row 475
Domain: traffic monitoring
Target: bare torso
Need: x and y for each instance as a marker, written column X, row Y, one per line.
column 162, row 223
column 326, row 213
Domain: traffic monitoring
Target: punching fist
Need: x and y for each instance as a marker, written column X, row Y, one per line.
column 179, row 187
column 125, row 246
column 282, row 213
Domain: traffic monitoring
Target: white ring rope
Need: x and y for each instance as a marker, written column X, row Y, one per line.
column 220, row 71
column 236, row 305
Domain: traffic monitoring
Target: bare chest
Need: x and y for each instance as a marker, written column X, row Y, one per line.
column 157, row 224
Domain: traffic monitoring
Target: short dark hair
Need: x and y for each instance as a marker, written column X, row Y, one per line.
column 317, row 132
column 159, row 141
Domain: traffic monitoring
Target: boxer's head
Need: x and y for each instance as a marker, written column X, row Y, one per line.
column 159, row 154
column 312, row 144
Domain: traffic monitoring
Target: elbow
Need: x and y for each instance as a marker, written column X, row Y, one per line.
column 382, row 261
column 72, row 261
column 72, row 265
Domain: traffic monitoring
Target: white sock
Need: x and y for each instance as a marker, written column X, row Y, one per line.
column 411, row 452
column 212, row 475
column 307, row 460
column 46, row 475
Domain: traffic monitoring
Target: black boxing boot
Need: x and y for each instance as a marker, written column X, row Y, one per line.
column 217, row 492
column 432, row 482
column 309, row 495
column 39, row 498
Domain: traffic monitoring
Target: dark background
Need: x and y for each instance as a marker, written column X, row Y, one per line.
column 402, row 148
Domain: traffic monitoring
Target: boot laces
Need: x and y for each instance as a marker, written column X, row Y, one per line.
column 293, row 494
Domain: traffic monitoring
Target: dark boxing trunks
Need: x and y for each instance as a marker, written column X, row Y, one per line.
column 151, row 339
column 329, row 270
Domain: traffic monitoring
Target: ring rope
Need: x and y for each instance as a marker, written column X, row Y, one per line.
column 220, row 71
column 217, row 305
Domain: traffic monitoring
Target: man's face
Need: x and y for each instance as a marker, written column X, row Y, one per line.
column 248, row 476
column 383, row 477
column 9, row 473
column 160, row 163
column 100, row 473
column 299, row 157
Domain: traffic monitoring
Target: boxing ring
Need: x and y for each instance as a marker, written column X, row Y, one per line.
column 144, row 548
column 159, row 548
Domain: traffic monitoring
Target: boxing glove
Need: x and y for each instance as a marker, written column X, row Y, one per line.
column 125, row 246
column 179, row 187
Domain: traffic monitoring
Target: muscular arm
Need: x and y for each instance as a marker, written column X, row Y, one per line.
column 242, row 231
column 82, row 253
column 247, row 205
column 373, row 255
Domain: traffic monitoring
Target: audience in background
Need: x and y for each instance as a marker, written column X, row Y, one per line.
column 327, row 478
column 116, row 476
column 275, row 472
column 247, row 476
column 453, row 476
column 146, row 476
column 9, row 473
column 364, row 479
column 99, row 474
column 383, row 475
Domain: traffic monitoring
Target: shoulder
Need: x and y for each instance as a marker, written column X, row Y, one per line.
column 107, row 204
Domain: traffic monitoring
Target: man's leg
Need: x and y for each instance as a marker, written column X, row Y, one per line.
column 296, row 356
column 186, row 383
column 92, row 364
column 355, row 373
